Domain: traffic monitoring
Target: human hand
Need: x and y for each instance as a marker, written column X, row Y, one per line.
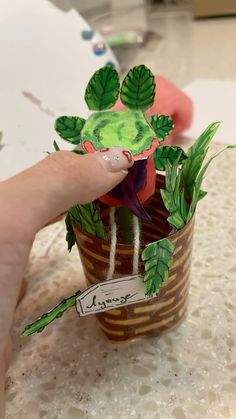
column 29, row 201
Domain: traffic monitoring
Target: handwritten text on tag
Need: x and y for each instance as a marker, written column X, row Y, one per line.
column 111, row 294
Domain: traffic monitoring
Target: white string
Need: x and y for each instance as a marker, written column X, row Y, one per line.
column 113, row 225
column 136, row 244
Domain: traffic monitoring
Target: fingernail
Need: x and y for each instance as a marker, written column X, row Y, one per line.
column 115, row 159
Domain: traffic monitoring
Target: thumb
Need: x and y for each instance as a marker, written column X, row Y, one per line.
column 62, row 180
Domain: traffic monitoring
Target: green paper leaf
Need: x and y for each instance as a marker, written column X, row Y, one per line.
column 158, row 257
column 197, row 185
column 47, row 318
column 202, row 195
column 167, row 153
column 56, row 146
column 196, row 155
column 102, row 90
column 163, row 125
column 87, row 216
column 138, row 88
column 69, row 128
column 173, row 195
column 79, row 151
column 70, row 235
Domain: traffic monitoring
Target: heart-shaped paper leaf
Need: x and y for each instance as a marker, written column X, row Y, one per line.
column 138, row 88
column 69, row 128
column 168, row 153
column 158, row 257
column 162, row 125
column 103, row 88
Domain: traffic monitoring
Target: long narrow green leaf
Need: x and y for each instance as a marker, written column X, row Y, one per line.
column 196, row 155
column 173, row 195
column 70, row 235
column 197, row 185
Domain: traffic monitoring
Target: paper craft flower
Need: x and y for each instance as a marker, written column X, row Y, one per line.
column 129, row 129
column 177, row 194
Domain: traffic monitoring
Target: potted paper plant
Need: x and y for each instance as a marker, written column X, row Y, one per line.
column 135, row 242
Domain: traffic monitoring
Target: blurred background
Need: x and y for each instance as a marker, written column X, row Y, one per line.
column 50, row 48
column 167, row 35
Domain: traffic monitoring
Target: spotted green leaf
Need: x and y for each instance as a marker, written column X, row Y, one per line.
column 103, row 88
column 168, row 153
column 138, row 88
column 158, row 258
column 162, row 125
column 39, row 325
column 69, row 128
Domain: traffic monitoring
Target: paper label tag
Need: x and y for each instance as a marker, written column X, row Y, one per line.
column 111, row 294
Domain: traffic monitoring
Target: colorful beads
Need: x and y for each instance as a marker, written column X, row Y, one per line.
column 99, row 48
column 87, row 34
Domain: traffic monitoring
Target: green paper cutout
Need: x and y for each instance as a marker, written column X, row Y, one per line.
column 173, row 197
column 127, row 129
column 88, row 218
column 196, row 155
column 102, row 90
column 167, row 153
column 70, row 235
column 79, row 151
column 158, row 257
column 39, row 325
column 56, row 146
column 202, row 195
column 163, row 125
column 138, row 88
column 198, row 182
column 69, row 128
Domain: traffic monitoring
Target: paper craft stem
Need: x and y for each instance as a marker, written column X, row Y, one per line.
column 39, row 325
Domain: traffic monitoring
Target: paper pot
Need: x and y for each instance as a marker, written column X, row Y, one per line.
column 151, row 317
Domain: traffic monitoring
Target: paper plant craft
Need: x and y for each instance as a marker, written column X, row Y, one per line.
column 131, row 129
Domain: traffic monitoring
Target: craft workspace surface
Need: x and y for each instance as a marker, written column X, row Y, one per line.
column 72, row 371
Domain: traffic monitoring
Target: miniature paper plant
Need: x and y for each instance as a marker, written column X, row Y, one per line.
column 131, row 129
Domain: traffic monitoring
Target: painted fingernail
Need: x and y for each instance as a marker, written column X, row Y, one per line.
column 115, row 159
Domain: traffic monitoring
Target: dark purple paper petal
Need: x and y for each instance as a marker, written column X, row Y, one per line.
column 131, row 201
column 127, row 190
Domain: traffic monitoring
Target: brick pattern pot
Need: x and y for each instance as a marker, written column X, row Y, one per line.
column 151, row 317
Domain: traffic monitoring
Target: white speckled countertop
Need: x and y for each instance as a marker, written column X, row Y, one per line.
column 71, row 370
